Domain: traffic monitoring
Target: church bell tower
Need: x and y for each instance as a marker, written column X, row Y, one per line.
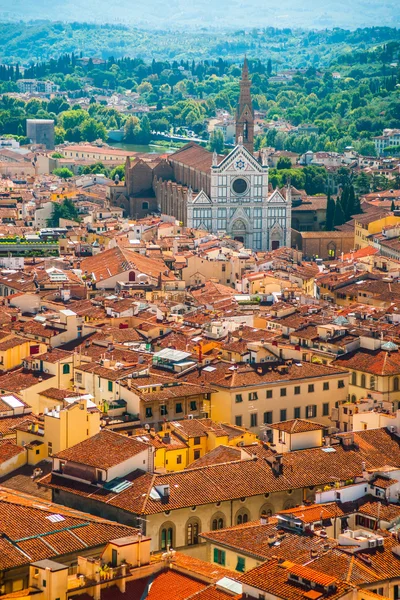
column 245, row 113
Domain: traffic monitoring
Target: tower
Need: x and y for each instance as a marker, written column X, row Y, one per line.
column 245, row 113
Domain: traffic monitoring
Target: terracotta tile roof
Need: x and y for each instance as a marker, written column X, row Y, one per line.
column 297, row 426
column 119, row 260
column 220, row 454
column 227, row 376
column 254, row 539
column 21, row 379
column 204, row 485
column 372, row 565
column 21, row 518
column 376, row 362
column 212, row 571
column 273, row 577
column 195, row 156
column 384, row 482
column 103, row 450
column 8, row 450
column 8, row 424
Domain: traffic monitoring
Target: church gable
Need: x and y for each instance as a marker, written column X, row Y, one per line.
column 277, row 197
column 240, row 160
column 201, row 198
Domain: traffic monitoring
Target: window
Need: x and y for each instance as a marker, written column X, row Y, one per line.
column 238, row 398
column 372, row 382
column 78, row 377
column 396, row 384
column 242, row 518
column 325, row 409
column 269, row 394
column 163, row 410
column 283, row 414
column 221, row 218
column 167, row 537
column 217, row 523
column 253, row 396
column 110, row 386
column 325, row 387
column 238, row 421
column 283, row 392
column 240, row 565
column 196, row 441
column 219, row 557
column 193, row 405
column 311, row 411
column 340, row 383
column 253, row 420
column 145, row 205
column 66, row 369
column 354, row 378
column 179, row 459
column 363, row 381
column 268, row 417
column 310, row 388
column 178, row 408
column 149, row 412
column 192, row 533
column 239, row 186
column 196, row 454
column 297, row 412
column 297, row 390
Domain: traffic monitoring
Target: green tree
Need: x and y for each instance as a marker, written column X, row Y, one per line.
column 92, row 130
column 131, row 130
column 330, row 213
column 284, row 162
column 63, row 172
column 65, row 210
column 339, row 216
column 216, row 142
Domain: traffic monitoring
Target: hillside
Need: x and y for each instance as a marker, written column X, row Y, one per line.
column 235, row 13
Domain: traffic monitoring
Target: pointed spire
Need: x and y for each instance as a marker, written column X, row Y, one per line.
column 215, row 159
column 245, row 69
column 245, row 113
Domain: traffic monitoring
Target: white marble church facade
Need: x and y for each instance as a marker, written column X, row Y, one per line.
column 240, row 204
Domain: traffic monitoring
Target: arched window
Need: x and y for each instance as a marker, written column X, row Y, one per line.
column 372, row 382
column 132, row 276
column 167, row 536
column 363, row 381
column 267, row 510
column 353, row 398
column 217, row 522
column 66, row 369
column 145, row 205
column 289, row 504
column 192, row 532
column 242, row 517
column 396, row 384
column 354, row 378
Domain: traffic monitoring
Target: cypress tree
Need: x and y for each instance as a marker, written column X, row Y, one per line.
column 392, row 206
column 330, row 213
column 344, row 199
column 351, row 202
column 339, row 216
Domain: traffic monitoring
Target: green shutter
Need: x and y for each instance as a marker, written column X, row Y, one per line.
column 216, row 555
column 110, row 386
column 222, row 558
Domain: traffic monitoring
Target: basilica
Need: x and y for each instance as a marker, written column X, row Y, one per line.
column 219, row 194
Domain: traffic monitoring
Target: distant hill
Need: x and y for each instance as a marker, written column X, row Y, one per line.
column 209, row 13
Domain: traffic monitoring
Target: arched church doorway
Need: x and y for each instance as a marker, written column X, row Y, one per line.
column 239, row 231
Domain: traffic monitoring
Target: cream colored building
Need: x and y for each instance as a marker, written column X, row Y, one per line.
column 254, row 397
